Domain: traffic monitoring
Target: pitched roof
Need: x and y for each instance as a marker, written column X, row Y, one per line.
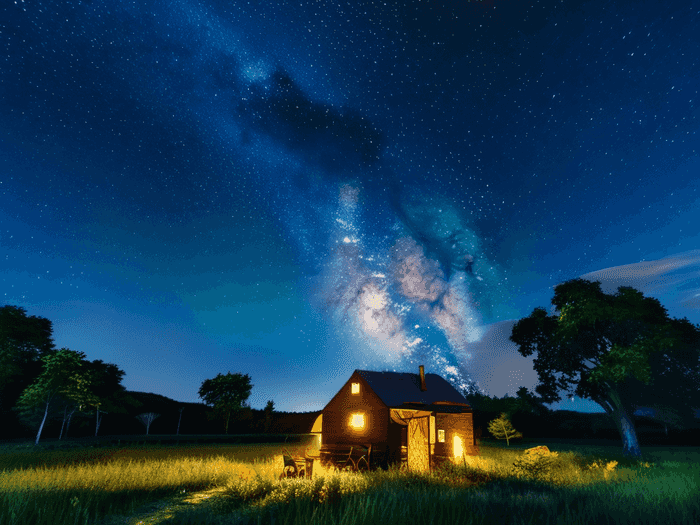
column 397, row 388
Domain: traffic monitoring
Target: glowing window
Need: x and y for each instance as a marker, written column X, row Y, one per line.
column 441, row 436
column 356, row 388
column 357, row 421
column 459, row 449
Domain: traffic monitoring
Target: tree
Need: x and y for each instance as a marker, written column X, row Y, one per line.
column 105, row 385
column 98, row 417
column 69, row 409
column 501, row 428
column 107, row 389
column 147, row 418
column 23, row 341
column 226, row 393
column 63, row 375
column 605, row 346
column 525, row 401
column 269, row 409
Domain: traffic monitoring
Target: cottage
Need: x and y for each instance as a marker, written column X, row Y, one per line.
column 419, row 420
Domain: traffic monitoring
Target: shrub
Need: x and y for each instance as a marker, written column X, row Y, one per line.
column 597, row 467
column 535, row 464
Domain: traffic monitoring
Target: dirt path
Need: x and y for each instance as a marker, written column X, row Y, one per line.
column 162, row 510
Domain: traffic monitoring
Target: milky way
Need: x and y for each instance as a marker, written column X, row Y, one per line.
column 392, row 298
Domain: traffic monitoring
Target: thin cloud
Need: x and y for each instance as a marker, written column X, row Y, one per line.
column 674, row 280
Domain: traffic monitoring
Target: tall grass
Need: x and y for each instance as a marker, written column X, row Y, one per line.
column 240, row 484
column 82, row 486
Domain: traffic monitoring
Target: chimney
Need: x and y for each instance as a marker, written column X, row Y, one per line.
column 423, row 388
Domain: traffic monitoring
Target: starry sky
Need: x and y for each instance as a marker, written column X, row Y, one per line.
column 294, row 190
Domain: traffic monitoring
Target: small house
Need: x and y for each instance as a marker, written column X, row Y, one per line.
column 418, row 420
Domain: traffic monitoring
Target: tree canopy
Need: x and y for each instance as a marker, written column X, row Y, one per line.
column 23, row 341
column 226, row 393
column 609, row 348
column 63, row 376
column 502, row 428
column 523, row 402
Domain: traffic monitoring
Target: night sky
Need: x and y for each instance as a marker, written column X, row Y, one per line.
column 294, row 190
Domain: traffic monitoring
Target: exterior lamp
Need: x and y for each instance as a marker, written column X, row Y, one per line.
column 458, row 448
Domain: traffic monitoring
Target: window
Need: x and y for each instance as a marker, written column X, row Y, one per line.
column 441, row 436
column 357, row 421
column 356, row 388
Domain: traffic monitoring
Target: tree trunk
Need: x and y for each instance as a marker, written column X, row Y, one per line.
column 98, row 420
column 63, row 423
column 625, row 426
column 41, row 427
column 228, row 415
column 178, row 423
column 630, row 445
column 70, row 415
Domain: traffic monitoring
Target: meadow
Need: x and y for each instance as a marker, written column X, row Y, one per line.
column 239, row 484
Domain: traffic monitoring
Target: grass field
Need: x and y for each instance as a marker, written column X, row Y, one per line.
column 220, row 484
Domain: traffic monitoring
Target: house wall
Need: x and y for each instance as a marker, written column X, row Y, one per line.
column 339, row 435
column 461, row 425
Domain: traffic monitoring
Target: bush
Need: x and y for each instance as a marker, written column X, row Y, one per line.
column 535, row 464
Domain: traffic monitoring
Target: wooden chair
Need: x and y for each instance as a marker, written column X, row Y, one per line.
column 355, row 464
column 309, row 460
column 293, row 466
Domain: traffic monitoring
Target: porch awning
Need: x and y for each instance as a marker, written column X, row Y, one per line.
column 403, row 415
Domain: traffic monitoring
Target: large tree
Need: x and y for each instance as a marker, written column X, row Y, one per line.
column 226, row 393
column 63, row 377
column 23, row 341
column 107, row 388
column 614, row 349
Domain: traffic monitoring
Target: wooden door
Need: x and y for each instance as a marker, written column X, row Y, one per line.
column 419, row 444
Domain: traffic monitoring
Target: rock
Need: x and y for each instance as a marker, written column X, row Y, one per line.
column 538, row 450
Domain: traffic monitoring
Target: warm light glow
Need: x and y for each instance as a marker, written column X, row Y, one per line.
column 357, row 421
column 356, row 388
column 441, row 436
column 458, row 447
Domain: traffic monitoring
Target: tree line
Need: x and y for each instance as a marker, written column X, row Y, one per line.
column 620, row 350
column 40, row 383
